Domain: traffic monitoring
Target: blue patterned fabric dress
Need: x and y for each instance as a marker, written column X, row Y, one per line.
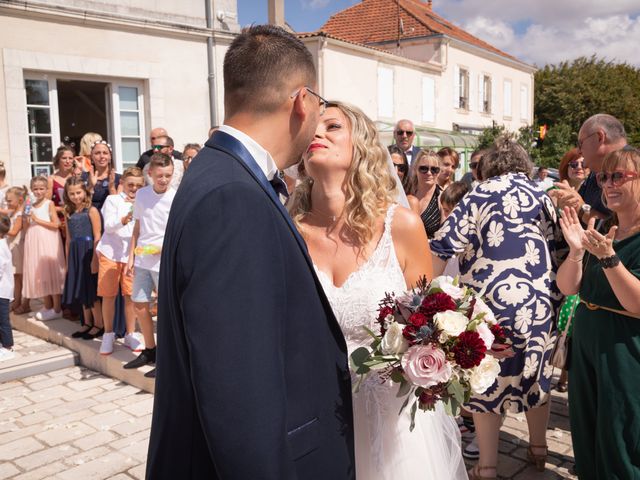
column 505, row 234
column 80, row 285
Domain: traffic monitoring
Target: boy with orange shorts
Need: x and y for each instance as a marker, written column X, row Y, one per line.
column 113, row 250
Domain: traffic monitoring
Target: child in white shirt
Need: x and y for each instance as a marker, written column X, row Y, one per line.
column 6, row 291
column 113, row 255
column 150, row 212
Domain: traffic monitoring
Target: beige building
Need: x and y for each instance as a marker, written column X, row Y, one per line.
column 399, row 59
column 116, row 68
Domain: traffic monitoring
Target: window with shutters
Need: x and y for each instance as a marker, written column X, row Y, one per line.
column 463, row 89
column 486, row 94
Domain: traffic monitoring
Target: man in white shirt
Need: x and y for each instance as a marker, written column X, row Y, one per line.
column 164, row 144
column 150, row 212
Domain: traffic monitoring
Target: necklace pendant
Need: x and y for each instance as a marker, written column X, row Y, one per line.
column 333, row 218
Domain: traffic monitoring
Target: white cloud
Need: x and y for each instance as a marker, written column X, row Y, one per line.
column 550, row 31
column 615, row 37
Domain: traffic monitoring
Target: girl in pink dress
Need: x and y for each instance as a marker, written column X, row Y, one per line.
column 44, row 266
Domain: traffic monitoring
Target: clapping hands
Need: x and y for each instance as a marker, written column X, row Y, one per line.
column 580, row 239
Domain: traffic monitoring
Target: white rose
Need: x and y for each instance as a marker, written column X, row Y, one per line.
column 485, row 334
column 451, row 323
column 481, row 307
column 445, row 283
column 483, row 376
column 393, row 342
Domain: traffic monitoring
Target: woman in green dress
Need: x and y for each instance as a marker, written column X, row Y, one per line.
column 604, row 373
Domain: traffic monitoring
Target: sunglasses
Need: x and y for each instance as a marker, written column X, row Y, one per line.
column 426, row 169
column 575, row 164
column 159, row 147
column 617, row 178
column 473, row 165
column 400, row 133
column 401, row 167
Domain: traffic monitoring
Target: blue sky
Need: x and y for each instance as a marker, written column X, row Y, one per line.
column 541, row 32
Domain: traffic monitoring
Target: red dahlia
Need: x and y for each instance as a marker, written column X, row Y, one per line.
column 437, row 302
column 469, row 349
column 499, row 333
column 409, row 332
column 383, row 312
column 418, row 320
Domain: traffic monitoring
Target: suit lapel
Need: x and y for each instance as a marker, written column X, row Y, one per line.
column 230, row 145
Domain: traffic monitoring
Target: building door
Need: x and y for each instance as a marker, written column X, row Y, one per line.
column 82, row 108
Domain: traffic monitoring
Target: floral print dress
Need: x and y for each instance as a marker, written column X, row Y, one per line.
column 505, row 235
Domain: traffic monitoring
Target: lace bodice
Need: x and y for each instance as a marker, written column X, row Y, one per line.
column 355, row 303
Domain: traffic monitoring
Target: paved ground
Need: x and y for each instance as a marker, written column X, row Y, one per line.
column 75, row 423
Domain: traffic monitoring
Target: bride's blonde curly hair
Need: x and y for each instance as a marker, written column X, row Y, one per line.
column 369, row 185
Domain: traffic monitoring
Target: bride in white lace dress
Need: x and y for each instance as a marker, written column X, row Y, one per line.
column 363, row 245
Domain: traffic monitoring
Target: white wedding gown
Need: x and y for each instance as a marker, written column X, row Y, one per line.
column 385, row 448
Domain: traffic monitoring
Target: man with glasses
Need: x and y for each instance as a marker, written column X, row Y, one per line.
column 404, row 135
column 599, row 135
column 155, row 134
column 164, row 144
column 252, row 371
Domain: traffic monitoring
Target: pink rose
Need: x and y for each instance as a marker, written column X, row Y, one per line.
column 426, row 365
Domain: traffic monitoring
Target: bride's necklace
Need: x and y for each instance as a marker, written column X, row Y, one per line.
column 333, row 218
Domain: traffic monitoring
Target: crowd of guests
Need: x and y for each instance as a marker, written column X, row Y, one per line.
column 548, row 255
column 86, row 240
column 509, row 237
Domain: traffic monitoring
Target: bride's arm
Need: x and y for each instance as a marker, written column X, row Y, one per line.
column 411, row 245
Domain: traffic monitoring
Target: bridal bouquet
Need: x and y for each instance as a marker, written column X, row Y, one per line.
column 433, row 342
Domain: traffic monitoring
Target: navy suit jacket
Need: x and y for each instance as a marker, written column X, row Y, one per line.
column 252, row 377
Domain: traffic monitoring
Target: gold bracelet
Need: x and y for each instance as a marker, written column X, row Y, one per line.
column 577, row 260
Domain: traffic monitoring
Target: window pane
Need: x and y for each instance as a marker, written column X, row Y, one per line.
column 40, row 149
column 130, row 150
column 39, row 121
column 128, row 98
column 129, row 124
column 37, row 92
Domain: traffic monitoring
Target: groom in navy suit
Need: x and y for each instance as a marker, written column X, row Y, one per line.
column 252, row 377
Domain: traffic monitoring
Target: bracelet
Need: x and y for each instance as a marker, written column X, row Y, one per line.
column 577, row 260
column 609, row 262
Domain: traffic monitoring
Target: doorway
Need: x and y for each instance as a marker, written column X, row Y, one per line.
column 82, row 107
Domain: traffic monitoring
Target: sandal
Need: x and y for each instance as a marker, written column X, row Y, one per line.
column 476, row 473
column 20, row 310
column 80, row 333
column 538, row 460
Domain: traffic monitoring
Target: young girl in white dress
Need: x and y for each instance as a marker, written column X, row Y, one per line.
column 364, row 245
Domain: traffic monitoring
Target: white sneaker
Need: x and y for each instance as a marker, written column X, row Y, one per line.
column 6, row 354
column 44, row 314
column 471, row 451
column 106, row 347
column 133, row 342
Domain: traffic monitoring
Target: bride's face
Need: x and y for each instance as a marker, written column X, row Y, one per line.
column 331, row 146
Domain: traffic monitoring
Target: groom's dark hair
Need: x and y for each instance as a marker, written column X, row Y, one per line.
column 260, row 66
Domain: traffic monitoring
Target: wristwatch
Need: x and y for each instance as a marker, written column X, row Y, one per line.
column 609, row 262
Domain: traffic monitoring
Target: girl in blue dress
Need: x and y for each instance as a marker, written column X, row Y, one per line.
column 83, row 228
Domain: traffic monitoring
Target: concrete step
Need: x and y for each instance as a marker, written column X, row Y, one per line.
column 59, row 332
column 25, row 366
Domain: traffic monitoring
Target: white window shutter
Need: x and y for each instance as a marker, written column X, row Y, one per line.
column 481, row 93
column 494, row 96
column 456, row 87
column 428, row 100
column 507, row 99
column 472, row 91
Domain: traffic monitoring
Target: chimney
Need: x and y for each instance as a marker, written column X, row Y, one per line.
column 276, row 13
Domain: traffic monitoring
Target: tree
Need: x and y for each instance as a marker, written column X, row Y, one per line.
column 570, row 92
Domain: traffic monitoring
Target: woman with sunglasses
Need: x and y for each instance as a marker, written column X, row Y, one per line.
column 400, row 162
column 573, row 172
column 604, row 370
column 425, row 191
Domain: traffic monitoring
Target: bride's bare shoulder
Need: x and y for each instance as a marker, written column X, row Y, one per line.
column 405, row 221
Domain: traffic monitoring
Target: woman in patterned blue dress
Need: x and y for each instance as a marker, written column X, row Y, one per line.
column 505, row 233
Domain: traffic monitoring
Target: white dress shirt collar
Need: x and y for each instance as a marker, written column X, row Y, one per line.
column 262, row 157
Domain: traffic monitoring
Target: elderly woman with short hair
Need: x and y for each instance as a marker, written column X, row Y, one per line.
column 504, row 233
